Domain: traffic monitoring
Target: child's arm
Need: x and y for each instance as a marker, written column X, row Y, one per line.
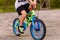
column 33, row 3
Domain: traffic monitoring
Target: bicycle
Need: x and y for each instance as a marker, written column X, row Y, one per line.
column 37, row 27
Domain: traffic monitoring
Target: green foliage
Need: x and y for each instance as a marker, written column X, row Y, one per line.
column 55, row 3
column 8, row 5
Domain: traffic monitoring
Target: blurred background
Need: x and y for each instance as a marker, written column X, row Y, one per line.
column 8, row 5
column 48, row 13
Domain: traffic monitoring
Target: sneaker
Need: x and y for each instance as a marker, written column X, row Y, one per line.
column 21, row 29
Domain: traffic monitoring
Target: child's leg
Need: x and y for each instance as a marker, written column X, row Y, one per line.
column 22, row 18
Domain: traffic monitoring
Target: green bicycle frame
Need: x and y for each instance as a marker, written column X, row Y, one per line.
column 29, row 17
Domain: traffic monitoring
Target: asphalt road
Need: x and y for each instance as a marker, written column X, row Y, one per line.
column 51, row 19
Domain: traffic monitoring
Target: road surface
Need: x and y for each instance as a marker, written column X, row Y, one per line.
column 51, row 19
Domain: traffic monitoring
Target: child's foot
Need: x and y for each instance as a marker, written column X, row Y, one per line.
column 21, row 29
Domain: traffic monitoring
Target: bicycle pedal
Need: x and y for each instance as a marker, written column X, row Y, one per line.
column 20, row 29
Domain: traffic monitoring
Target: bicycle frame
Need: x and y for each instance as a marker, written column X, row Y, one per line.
column 29, row 17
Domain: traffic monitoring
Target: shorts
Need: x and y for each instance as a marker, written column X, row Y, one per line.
column 23, row 7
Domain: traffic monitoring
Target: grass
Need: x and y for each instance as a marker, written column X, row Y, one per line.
column 11, row 8
column 54, row 8
column 8, row 5
column 1, row 10
column 7, row 8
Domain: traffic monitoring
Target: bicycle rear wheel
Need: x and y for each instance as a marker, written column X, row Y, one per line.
column 15, row 27
column 38, row 29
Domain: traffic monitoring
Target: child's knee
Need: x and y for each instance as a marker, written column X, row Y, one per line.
column 23, row 12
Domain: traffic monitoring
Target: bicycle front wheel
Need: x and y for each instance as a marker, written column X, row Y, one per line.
column 15, row 27
column 38, row 29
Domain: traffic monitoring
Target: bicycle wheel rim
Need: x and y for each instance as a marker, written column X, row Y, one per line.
column 38, row 34
column 15, row 27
